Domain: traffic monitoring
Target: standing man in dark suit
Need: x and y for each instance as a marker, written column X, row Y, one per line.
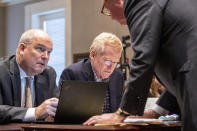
column 164, row 35
column 27, row 84
column 105, row 53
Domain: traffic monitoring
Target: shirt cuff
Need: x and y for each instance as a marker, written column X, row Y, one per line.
column 160, row 110
column 30, row 115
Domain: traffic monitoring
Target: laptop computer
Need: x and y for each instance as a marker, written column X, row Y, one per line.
column 79, row 100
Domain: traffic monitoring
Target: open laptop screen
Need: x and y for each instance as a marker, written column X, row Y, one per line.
column 79, row 100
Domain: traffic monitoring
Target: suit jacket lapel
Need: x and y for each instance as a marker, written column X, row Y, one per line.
column 16, row 81
column 113, row 92
column 41, row 89
column 88, row 72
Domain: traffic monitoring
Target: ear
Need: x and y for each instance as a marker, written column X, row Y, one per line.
column 21, row 48
column 92, row 54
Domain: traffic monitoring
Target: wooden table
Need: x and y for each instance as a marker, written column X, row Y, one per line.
column 59, row 127
column 10, row 128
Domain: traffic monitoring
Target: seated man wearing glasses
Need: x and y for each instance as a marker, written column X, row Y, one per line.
column 105, row 53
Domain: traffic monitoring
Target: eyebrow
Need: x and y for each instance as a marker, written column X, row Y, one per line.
column 111, row 60
column 41, row 45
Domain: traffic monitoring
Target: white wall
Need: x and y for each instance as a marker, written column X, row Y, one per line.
column 86, row 20
column 2, row 31
column 14, row 27
column 15, row 20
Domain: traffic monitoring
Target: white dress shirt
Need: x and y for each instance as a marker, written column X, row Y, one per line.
column 30, row 114
column 160, row 110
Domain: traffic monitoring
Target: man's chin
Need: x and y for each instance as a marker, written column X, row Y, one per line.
column 105, row 77
column 38, row 71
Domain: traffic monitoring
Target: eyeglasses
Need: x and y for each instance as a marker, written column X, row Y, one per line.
column 104, row 11
column 108, row 62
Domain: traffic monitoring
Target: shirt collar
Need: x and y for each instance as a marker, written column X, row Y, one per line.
column 22, row 72
column 95, row 76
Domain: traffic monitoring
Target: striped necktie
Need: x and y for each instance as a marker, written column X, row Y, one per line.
column 28, row 97
column 106, row 106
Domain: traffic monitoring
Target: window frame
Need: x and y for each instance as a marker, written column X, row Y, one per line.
column 33, row 11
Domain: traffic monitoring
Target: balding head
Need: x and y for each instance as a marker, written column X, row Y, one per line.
column 33, row 51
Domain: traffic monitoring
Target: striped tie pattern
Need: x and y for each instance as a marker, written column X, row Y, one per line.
column 106, row 106
column 28, row 97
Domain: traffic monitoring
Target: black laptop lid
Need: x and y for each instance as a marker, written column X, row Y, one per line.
column 79, row 100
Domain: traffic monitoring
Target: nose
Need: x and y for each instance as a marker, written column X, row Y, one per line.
column 45, row 55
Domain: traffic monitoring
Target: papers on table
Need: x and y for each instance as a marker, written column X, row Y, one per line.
column 146, row 121
column 141, row 120
column 131, row 121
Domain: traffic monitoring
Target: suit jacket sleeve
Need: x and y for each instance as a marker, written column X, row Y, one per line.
column 45, row 84
column 11, row 113
column 9, row 98
column 168, row 102
column 144, row 22
column 67, row 74
column 54, row 89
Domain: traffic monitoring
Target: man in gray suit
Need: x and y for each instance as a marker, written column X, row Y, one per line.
column 164, row 37
column 17, row 102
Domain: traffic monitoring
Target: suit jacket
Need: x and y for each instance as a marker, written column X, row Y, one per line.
column 83, row 71
column 168, row 102
column 164, row 35
column 10, row 89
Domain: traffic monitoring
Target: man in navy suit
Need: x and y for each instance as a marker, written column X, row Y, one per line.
column 30, row 61
column 105, row 53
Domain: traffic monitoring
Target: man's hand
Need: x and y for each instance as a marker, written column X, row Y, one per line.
column 109, row 118
column 47, row 108
column 147, row 114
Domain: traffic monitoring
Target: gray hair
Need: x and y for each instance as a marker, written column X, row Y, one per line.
column 104, row 39
column 28, row 36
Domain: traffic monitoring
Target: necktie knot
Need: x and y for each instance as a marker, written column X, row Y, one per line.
column 28, row 81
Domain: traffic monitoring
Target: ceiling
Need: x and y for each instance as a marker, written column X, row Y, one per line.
column 11, row 2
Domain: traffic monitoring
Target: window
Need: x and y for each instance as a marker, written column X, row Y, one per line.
column 51, row 16
column 54, row 25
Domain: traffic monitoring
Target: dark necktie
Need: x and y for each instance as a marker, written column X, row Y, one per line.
column 106, row 106
column 28, row 97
